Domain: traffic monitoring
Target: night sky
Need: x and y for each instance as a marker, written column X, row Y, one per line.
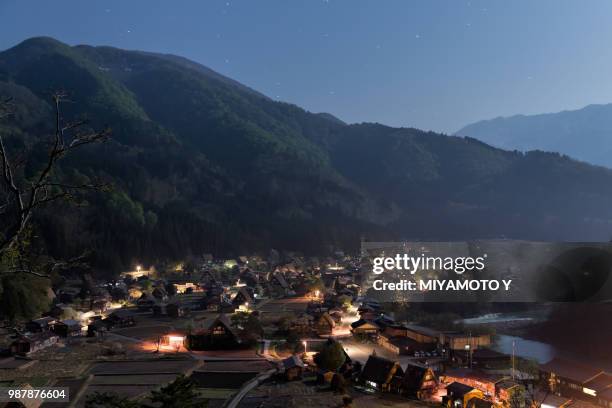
column 434, row 65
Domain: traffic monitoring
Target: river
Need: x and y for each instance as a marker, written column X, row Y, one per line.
column 529, row 349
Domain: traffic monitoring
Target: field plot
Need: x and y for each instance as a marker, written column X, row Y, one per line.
column 295, row 305
column 136, row 377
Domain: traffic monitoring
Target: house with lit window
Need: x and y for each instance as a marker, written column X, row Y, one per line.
column 475, row 378
column 419, row 381
column 479, row 403
column 458, row 395
column 243, row 297
column 508, row 390
column 464, row 341
column 365, row 328
column 381, row 374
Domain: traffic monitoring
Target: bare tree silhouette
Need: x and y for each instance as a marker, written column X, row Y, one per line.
column 24, row 195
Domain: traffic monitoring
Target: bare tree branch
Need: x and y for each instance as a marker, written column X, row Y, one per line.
column 50, row 267
column 28, row 195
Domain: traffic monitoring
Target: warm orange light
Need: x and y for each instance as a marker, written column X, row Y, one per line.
column 172, row 341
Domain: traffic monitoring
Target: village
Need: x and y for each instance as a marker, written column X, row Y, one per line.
column 265, row 332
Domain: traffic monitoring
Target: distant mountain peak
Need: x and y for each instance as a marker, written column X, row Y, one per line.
column 584, row 134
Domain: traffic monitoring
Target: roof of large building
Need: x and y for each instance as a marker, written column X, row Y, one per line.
column 407, row 342
column 482, row 353
column 456, row 389
column 209, row 323
column 361, row 322
column 473, row 374
column 600, row 382
column 70, row 322
column 606, row 394
column 507, row 384
column 423, row 330
column 551, row 400
column 570, row 369
column 43, row 320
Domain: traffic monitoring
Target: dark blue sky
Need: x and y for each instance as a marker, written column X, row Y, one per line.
column 429, row 64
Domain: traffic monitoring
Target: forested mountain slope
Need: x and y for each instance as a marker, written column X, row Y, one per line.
column 201, row 163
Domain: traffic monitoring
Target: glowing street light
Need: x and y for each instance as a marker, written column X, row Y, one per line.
column 305, row 344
